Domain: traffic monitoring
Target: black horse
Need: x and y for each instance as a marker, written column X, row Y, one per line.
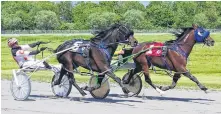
column 94, row 54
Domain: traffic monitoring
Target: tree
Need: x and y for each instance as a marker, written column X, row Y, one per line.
column 26, row 19
column 102, row 20
column 218, row 23
column 20, row 10
column 12, row 22
column 67, row 26
column 124, row 6
column 201, row 19
column 81, row 12
column 46, row 20
column 65, row 11
column 161, row 14
column 47, row 5
column 145, row 24
column 133, row 18
column 184, row 13
column 109, row 6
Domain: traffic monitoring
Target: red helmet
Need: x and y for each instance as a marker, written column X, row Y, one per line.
column 12, row 41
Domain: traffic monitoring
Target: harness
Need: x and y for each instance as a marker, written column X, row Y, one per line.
column 176, row 47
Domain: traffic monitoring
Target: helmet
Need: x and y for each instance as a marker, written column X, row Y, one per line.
column 12, row 41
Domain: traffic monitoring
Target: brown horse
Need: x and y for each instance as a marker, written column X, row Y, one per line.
column 175, row 58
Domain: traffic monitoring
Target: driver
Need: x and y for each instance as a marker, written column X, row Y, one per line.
column 24, row 56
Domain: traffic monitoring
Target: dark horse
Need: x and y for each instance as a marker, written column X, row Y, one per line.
column 175, row 58
column 100, row 51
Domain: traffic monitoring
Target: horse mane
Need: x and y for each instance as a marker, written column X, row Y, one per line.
column 179, row 33
column 102, row 33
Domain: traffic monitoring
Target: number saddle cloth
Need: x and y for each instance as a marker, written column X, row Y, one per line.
column 158, row 49
column 79, row 46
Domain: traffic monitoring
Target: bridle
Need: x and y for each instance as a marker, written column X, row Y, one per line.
column 119, row 31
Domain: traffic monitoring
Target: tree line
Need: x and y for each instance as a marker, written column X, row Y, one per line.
column 46, row 15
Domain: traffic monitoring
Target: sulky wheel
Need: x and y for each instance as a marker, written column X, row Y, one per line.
column 135, row 84
column 20, row 86
column 63, row 89
column 101, row 92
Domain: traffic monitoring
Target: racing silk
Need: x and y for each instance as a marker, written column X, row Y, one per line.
column 154, row 51
column 21, row 54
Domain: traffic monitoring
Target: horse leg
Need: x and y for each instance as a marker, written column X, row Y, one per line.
column 118, row 80
column 58, row 80
column 100, row 79
column 145, row 69
column 72, row 80
column 194, row 79
column 132, row 72
column 99, row 82
column 176, row 77
column 104, row 67
column 148, row 80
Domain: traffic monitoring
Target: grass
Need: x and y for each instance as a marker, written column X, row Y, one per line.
column 204, row 62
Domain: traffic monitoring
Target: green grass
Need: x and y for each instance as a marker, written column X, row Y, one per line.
column 204, row 62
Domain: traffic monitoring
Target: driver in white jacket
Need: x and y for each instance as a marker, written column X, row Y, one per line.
column 24, row 56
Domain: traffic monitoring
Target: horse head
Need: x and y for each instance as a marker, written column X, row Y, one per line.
column 126, row 34
column 202, row 36
column 117, row 33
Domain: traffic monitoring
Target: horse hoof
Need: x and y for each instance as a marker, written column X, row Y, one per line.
column 206, row 91
column 144, row 97
column 86, row 88
column 160, row 91
column 83, row 94
column 125, row 90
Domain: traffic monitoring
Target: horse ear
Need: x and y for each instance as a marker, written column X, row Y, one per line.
column 194, row 26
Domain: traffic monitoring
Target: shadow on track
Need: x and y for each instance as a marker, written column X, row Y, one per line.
column 193, row 100
column 109, row 99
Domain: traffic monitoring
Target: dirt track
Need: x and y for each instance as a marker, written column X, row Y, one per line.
column 174, row 101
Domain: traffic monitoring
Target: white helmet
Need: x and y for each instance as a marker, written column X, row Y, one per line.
column 12, row 41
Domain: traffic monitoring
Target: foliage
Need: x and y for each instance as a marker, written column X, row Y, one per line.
column 133, row 18
column 65, row 11
column 160, row 14
column 89, row 15
column 67, row 26
column 12, row 22
column 102, row 20
column 201, row 19
column 46, row 20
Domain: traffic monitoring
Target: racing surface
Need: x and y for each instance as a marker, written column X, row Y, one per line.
column 173, row 101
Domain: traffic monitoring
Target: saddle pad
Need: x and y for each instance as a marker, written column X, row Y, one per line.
column 76, row 43
column 154, row 51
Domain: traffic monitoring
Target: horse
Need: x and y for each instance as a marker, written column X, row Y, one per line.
column 175, row 58
column 99, row 51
